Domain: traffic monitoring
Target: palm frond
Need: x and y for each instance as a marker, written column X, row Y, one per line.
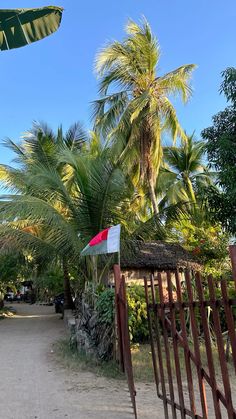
column 13, row 239
column 170, row 120
column 38, row 127
column 108, row 110
column 15, row 148
column 176, row 82
column 75, row 137
column 13, row 179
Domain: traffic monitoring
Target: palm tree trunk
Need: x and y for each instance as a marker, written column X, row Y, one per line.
column 149, row 165
column 191, row 190
column 68, row 302
column 153, row 195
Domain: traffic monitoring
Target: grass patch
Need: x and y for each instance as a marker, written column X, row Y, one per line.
column 142, row 363
column 72, row 359
column 76, row 360
column 143, row 368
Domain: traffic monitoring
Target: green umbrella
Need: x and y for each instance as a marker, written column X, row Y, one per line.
column 20, row 27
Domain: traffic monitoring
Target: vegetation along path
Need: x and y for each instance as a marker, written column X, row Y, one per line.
column 34, row 385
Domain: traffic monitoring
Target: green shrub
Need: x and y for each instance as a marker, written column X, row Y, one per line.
column 138, row 324
column 105, row 306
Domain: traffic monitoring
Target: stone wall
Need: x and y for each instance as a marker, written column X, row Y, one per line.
column 89, row 334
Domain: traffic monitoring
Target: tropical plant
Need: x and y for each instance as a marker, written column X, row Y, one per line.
column 138, row 324
column 135, row 116
column 38, row 156
column 12, row 267
column 221, row 150
column 137, row 313
column 183, row 174
column 206, row 240
column 65, row 196
column 49, row 283
column 20, row 27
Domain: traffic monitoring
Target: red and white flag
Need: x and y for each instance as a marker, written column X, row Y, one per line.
column 107, row 241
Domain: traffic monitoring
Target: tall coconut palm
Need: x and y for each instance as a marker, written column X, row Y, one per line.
column 183, row 173
column 138, row 109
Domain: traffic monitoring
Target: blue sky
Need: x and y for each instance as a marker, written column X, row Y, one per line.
column 53, row 80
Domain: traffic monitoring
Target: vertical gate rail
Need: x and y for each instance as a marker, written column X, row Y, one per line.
column 178, row 311
column 124, row 347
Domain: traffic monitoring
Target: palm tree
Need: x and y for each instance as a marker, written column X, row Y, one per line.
column 135, row 116
column 53, row 213
column 183, row 174
column 63, row 196
column 39, row 151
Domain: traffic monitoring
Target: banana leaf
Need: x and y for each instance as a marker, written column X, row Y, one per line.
column 20, row 27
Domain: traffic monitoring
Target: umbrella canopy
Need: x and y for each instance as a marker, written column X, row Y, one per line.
column 20, row 27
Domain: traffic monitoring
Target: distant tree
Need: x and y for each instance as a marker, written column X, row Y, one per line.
column 221, row 150
column 11, row 267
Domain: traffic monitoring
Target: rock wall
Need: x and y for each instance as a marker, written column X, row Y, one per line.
column 91, row 336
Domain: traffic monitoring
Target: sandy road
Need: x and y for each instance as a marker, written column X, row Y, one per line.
column 34, row 386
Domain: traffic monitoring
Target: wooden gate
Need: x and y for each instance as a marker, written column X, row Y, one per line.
column 190, row 323
column 124, row 348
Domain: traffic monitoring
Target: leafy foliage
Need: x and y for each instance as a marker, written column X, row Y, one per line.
column 183, row 173
column 138, row 324
column 49, row 283
column 207, row 241
column 221, row 149
column 66, row 189
column 105, row 306
column 13, row 269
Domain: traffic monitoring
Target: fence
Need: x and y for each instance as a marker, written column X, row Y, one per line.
column 188, row 347
column 124, row 349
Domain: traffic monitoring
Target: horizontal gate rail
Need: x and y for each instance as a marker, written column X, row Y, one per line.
column 186, row 304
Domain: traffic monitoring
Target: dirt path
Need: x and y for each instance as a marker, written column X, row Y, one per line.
column 33, row 386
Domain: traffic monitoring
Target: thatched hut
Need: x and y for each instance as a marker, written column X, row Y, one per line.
column 153, row 257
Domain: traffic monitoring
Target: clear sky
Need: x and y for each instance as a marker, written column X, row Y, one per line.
column 53, row 80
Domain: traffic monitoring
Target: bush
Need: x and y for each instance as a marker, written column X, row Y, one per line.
column 138, row 325
column 105, row 306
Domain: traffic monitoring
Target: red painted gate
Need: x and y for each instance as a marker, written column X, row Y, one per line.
column 124, row 348
column 188, row 321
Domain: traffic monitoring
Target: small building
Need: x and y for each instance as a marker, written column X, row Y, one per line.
column 147, row 258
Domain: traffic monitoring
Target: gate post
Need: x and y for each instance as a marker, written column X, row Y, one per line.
column 118, row 328
column 232, row 252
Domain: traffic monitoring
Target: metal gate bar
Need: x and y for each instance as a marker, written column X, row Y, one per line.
column 124, row 347
column 186, row 353
column 164, row 334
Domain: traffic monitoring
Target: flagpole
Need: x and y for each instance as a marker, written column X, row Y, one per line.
column 119, row 259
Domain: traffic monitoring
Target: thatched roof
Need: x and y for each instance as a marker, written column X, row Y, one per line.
column 159, row 256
